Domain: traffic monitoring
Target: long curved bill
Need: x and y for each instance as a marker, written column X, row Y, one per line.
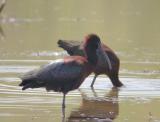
column 105, row 56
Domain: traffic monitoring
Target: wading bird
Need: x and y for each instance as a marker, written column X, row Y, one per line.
column 111, row 69
column 66, row 74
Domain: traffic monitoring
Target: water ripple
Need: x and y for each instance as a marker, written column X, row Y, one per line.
column 15, row 68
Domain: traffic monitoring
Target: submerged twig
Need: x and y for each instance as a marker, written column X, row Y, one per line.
column 1, row 32
column 3, row 3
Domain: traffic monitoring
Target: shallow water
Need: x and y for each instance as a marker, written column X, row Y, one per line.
column 29, row 31
column 137, row 100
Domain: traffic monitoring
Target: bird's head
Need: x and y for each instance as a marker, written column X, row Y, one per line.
column 93, row 49
column 91, row 42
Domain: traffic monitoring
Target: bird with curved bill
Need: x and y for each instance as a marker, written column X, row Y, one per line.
column 109, row 68
column 68, row 73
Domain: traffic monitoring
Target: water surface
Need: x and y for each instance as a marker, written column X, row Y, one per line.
column 29, row 31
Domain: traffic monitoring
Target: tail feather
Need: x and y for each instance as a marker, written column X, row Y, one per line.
column 26, row 86
column 25, row 81
column 30, row 83
column 115, row 80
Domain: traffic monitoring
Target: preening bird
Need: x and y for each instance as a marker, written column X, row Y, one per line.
column 68, row 73
column 110, row 68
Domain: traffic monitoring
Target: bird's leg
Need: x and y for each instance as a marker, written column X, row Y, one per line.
column 63, row 105
column 94, row 92
column 94, row 79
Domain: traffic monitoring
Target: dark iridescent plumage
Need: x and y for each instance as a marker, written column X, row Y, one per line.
column 65, row 74
column 62, row 73
column 76, row 48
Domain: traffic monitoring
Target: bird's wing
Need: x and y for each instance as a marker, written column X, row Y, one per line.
column 59, row 71
column 72, row 47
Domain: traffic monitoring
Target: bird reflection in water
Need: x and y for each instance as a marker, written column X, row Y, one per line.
column 97, row 108
column 2, row 5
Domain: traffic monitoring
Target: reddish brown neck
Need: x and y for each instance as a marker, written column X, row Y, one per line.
column 91, row 56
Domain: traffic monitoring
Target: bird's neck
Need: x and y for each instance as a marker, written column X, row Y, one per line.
column 91, row 57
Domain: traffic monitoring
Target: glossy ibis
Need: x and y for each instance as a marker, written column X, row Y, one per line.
column 68, row 73
column 111, row 69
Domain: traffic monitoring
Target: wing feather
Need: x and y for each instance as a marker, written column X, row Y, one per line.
column 60, row 71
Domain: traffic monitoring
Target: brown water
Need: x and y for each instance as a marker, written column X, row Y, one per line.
column 29, row 31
